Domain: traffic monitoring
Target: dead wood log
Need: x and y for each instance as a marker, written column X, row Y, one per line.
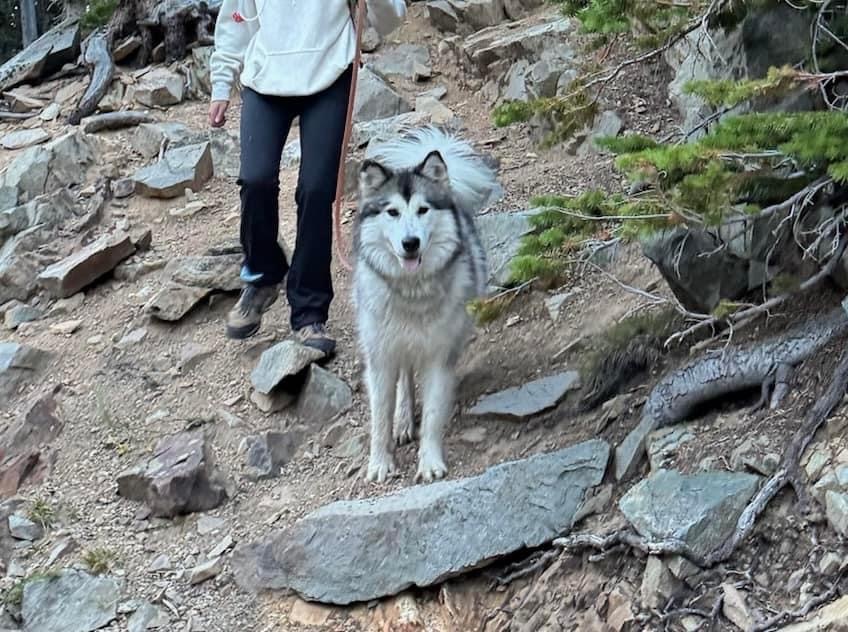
column 115, row 120
column 97, row 57
column 722, row 372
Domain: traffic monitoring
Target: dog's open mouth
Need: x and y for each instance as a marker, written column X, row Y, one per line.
column 411, row 264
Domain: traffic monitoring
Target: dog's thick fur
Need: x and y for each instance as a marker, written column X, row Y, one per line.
column 418, row 261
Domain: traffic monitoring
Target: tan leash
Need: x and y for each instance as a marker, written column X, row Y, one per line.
column 340, row 180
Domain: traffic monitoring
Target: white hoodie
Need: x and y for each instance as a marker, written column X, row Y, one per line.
column 290, row 47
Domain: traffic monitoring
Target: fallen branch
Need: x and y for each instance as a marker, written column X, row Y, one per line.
column 787, row 616
column 97, row 57
column 787, row 473
column 115, row 120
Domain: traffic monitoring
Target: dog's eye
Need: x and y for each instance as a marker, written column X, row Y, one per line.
column 422, row 210
column 393, row 212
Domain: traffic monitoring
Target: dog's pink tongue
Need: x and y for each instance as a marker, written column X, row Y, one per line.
column 411, row 265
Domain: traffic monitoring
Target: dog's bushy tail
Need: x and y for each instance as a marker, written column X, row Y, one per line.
column 472, row 180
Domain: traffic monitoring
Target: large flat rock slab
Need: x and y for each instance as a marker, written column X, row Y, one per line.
column 353, row 551
column 71, row 600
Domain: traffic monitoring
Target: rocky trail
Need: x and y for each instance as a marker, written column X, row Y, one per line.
column 153, row 472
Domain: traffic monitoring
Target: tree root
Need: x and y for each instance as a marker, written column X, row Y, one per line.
column 629, row 538
column 98, row 57
column 787, row 616
column 526, row 567
column 787, row 474
column 788, row 471
column 719, row 373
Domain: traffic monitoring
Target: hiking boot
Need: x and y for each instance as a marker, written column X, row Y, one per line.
column 245, row 317
column 316, row 336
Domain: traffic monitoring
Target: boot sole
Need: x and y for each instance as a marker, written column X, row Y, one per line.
column 240, row 333
column 246, row 331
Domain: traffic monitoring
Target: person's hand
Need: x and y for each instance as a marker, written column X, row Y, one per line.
column 218, row 113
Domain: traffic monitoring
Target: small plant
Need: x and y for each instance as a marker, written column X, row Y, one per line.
column 97, row 13
column 99, row 561
column 14, row 596
column 42, row 513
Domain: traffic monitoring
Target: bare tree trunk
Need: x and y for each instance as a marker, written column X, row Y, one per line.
column 29, row 22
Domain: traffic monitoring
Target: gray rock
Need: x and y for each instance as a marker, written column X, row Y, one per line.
column 268, row 452
column 161, row 563
column 351, row 551
column 22, row 528
column 400, row 60
column 18, row 364
column 181, row 168
column 284, row 360
column 132, row 338
column 181, row 477
column 529, row 399
column 71, row 600
column 21, row 139
column 189, row 280
column 50, row 210
column 444, row 15
column 501, row 235
column 76, row 272
column 658, row 584
column 46, row 168
column 434, row 110
column 206, row 571
column 160, row 88
column 371, row 40
column 57, row 47
column 375, row 99
column 200, row 70
column 662, row 445
column 20, row 314
column 192, row 354
column 323, row 397
column 836, row 510
column 148, row 137
column 148, row 617
column 379, row 130
column 696, row 269
column 210, row 524
column 699, row 509
column 767, row 36
column 734, row 608
column 533, row 38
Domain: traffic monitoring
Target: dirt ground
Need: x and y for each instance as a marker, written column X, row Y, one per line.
column 118, row 402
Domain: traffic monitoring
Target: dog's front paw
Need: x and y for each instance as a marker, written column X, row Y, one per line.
column 404, row 430
column 380, row 467
column 431, row 466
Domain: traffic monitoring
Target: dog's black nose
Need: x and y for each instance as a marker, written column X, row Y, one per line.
column 411, row 244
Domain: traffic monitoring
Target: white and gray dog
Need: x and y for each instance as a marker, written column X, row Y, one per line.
column 418, row 262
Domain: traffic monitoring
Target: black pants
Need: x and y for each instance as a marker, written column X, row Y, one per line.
column 265, row 124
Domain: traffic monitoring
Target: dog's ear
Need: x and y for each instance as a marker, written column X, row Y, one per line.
column 434, row 168
column 372, row 175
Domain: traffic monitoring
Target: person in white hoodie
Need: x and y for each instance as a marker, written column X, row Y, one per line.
column 293, row 59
